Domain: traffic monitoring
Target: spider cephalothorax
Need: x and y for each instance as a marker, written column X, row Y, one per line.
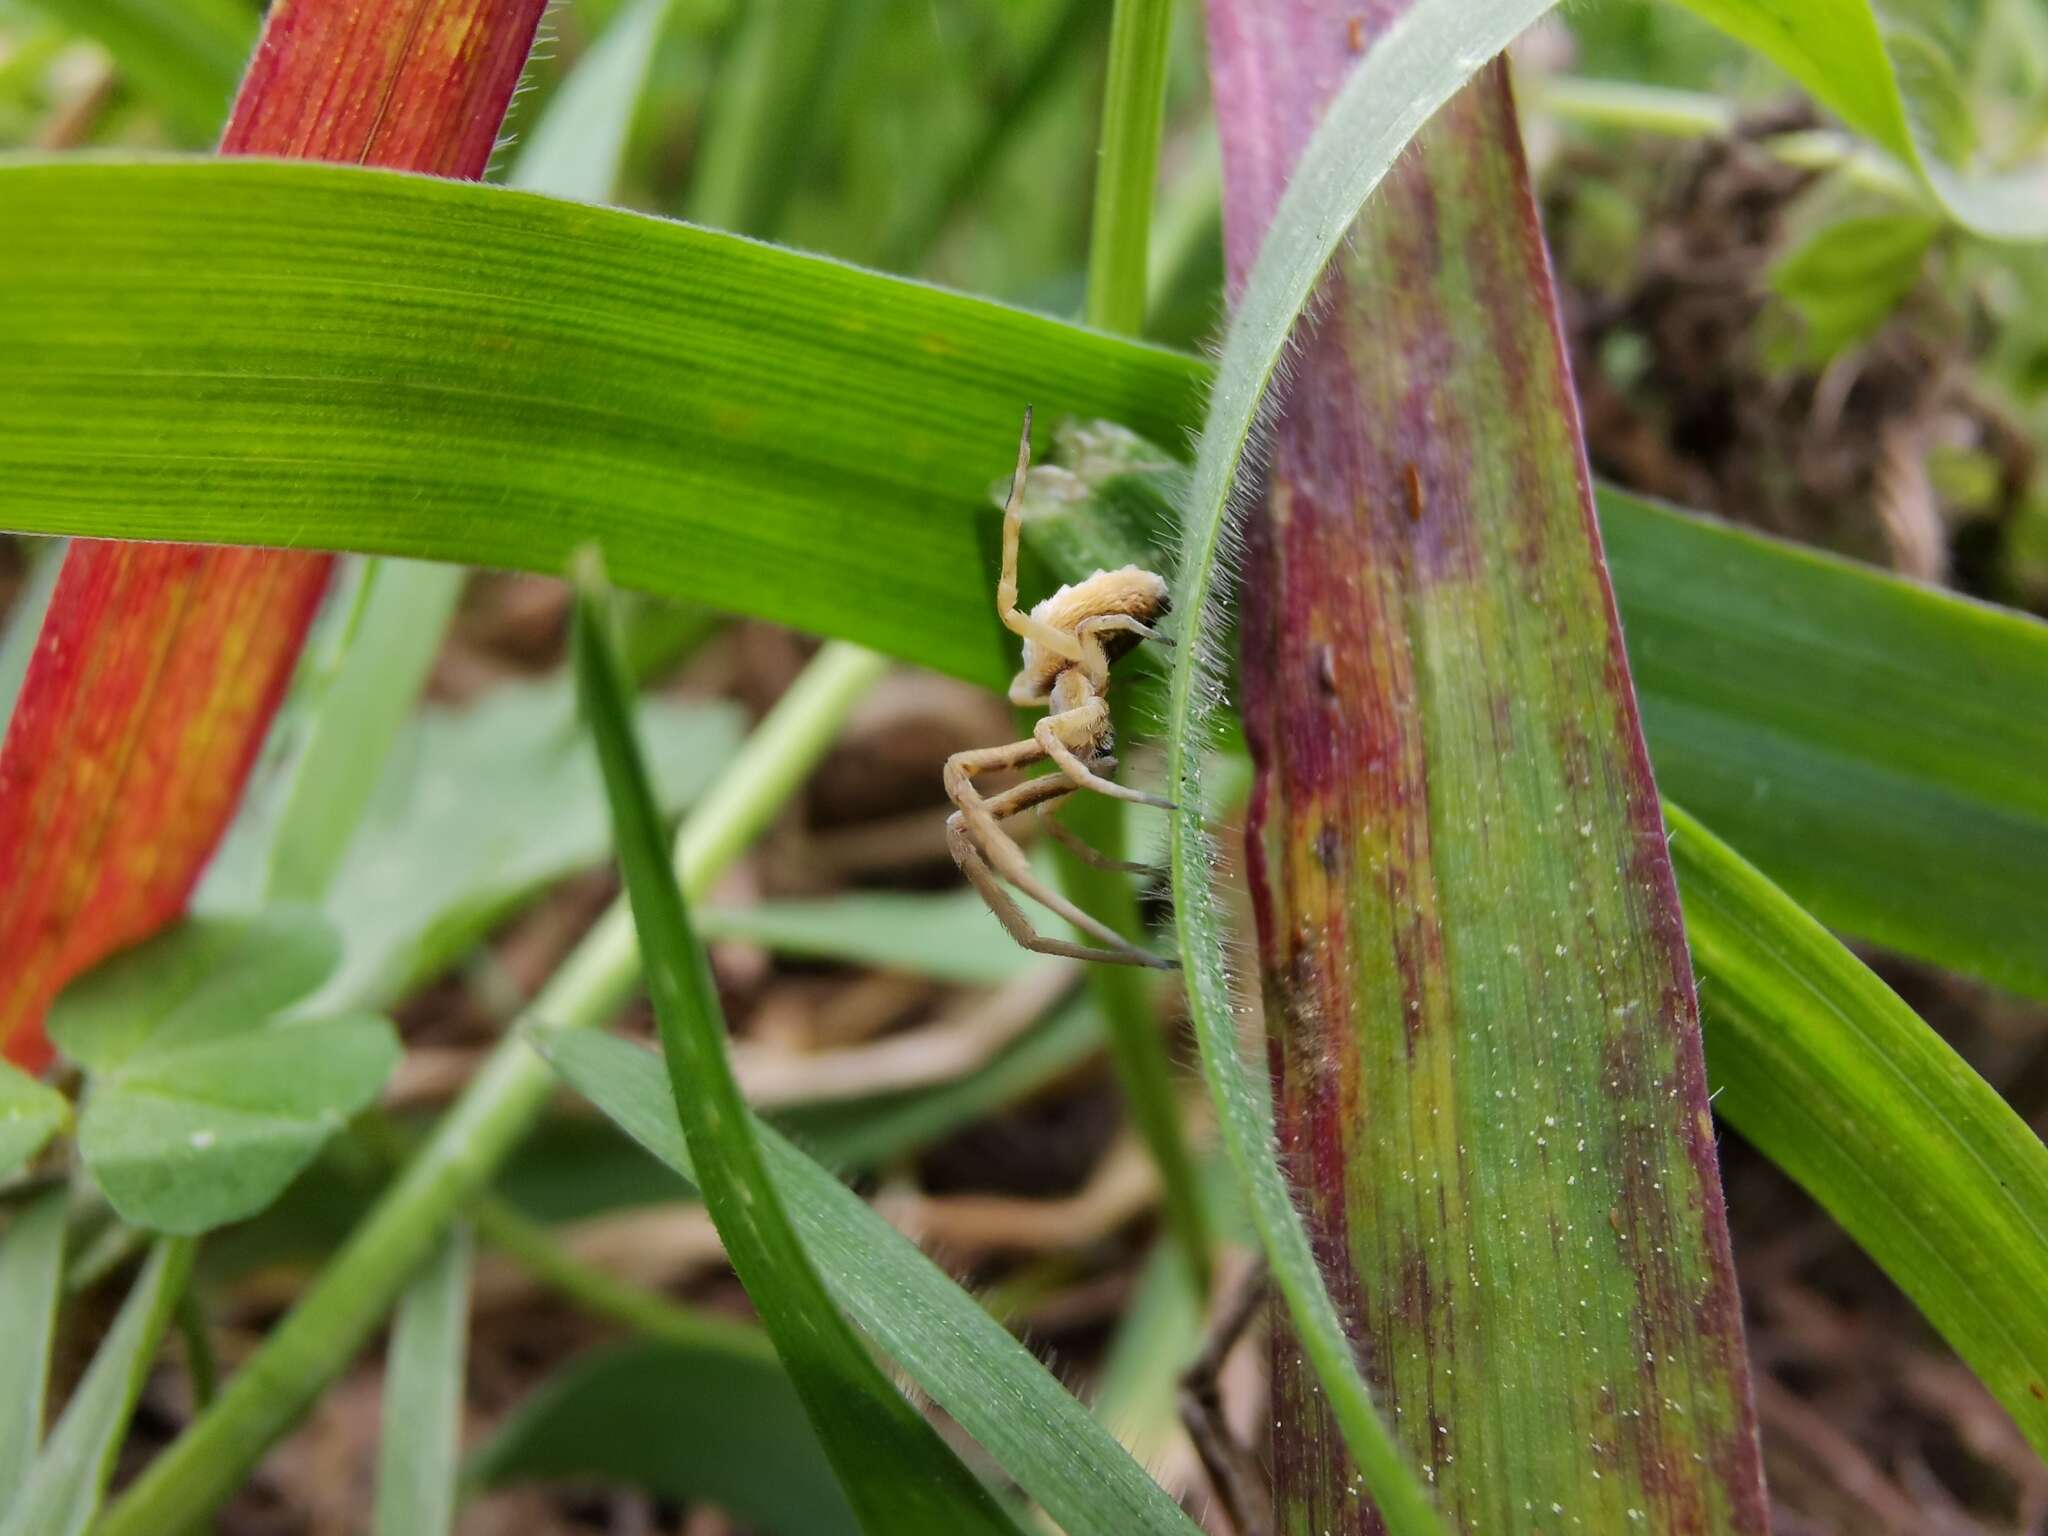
column 1069, row 641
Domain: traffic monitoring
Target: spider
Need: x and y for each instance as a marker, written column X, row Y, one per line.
column 1070, row 639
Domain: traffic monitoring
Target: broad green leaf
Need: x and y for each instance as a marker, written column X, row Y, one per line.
column 574, row 150
column 199, row 981
column 184, row 55
column 64, row 1486
column 897, row 1473
column 966, row 1361
column 695, row 1425
column 950, row 938
column 1834, row 1079
column 420, row 1437
column 31, row 1112
column 31, row 1276
column 479, row 808
column 1844, row 280
column 1886, row 83
column 202, row 1103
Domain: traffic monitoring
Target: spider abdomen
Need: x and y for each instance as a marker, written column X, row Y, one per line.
column 1130, row 591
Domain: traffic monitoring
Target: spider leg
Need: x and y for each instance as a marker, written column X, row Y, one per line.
column 1043, row 795
column 1109, row 623
column 1087, row 852
column 977, row 841
column 1008, row 860
column 1086, row 720
column 1011, row 916
column 1018, row 622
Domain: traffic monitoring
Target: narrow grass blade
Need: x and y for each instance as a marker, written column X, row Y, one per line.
column 63, row 1488
column 31, row 1275
column 765, row 110
column 897, row 1473
column 1059, row 47
column 394, row 631
column 1127, row 170
column 945, row 1342
column 1134, row 104
column 420, row 1439
column 1819, row 1064
column 1839, row 726
column 503, row 379
column 161, row 667
column 1738, row 642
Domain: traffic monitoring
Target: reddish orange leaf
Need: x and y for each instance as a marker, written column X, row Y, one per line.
column 160, row 665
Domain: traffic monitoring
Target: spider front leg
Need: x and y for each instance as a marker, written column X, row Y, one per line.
column 1084, row 725
column 1056, row 641
column 1081, row 848
column 977, row 841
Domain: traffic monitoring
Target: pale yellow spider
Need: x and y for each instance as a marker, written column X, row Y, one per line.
column 1069, row 641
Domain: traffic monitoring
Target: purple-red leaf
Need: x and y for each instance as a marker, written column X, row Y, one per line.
column 1489, row 1086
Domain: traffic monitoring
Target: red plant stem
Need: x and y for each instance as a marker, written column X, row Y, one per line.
column 160, row 667
column 1486, row 1050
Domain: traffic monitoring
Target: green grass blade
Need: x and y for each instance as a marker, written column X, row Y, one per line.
column 1127, row 169
column 1840, row 726
column 31, row 1275
column 63, row 1488
column 703, row 476
column 528, row 376
column 765, row 111
column 1819, row 1064
column 420, row 1440
column 1058, row 48
column 972, row 1367
column 897, row 1473
column 1133, row 110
